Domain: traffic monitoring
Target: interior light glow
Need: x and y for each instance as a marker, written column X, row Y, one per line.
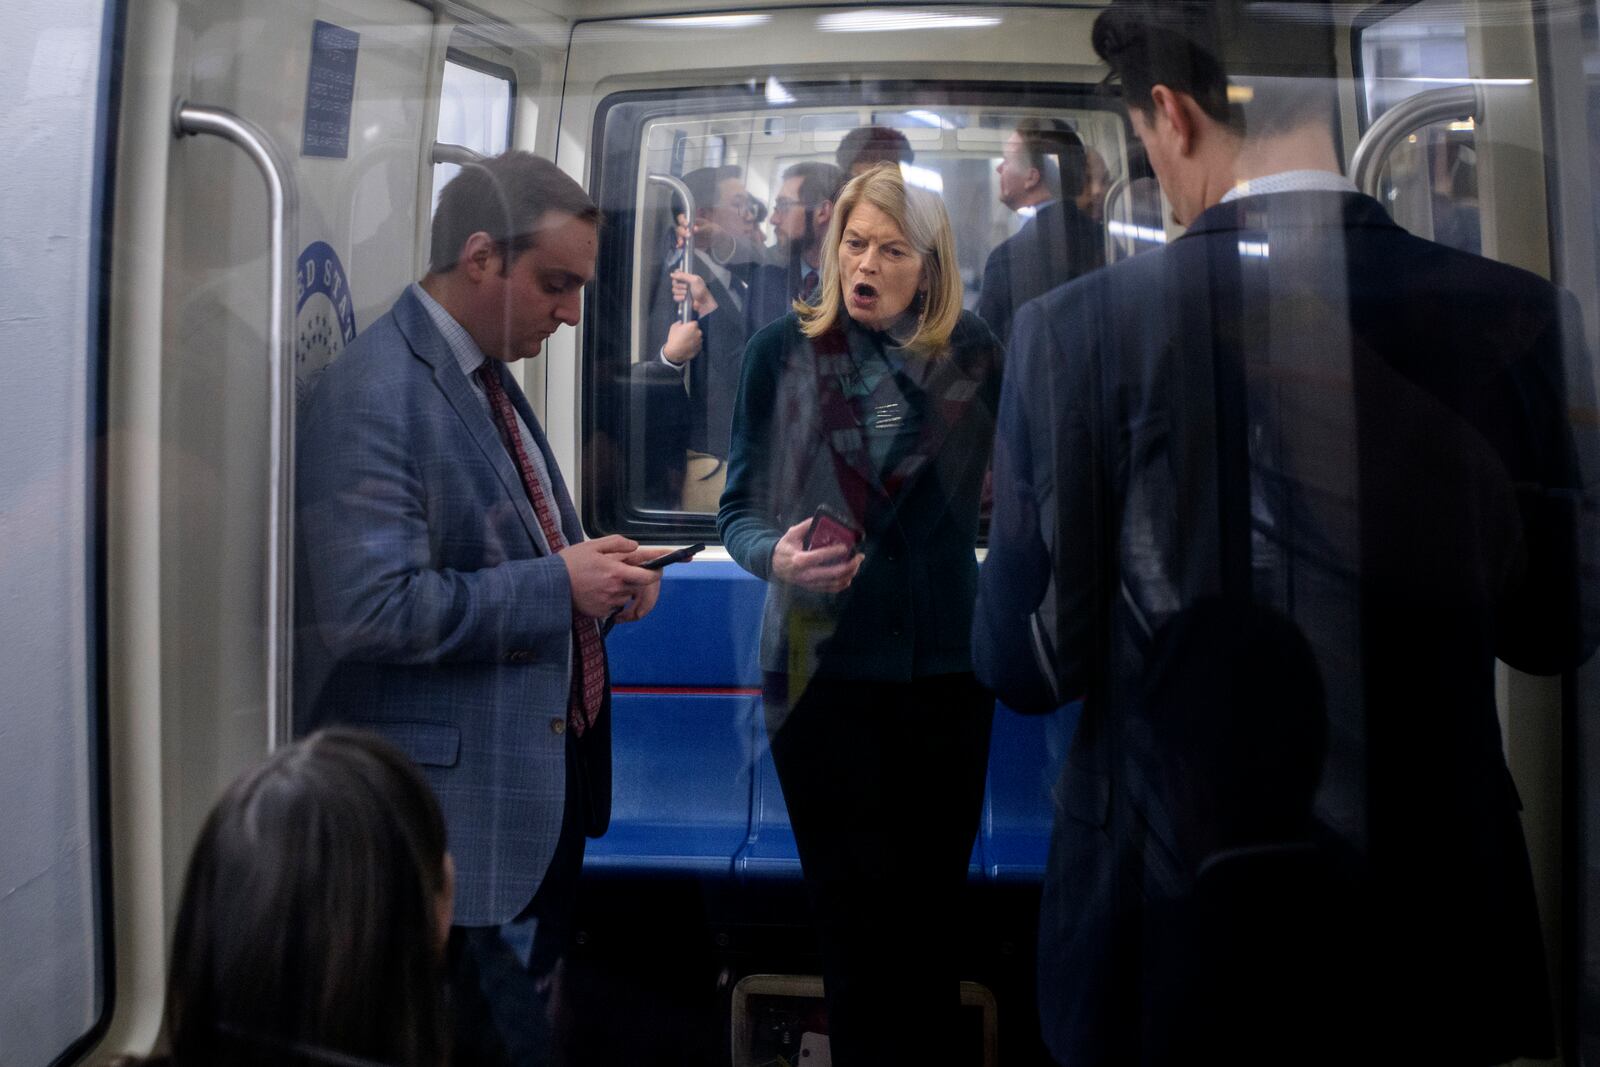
column 706, row 22
column 1138, row 233
column 922, row 177
column 1466, row 126
column 931, row 119
column 1240, row 94
column 1462, row 81
column 1258, row 249
column 777, row 94
column 888, row 21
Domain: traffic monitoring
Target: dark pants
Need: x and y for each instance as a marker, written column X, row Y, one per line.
column 498, row 1006
column 884, row 784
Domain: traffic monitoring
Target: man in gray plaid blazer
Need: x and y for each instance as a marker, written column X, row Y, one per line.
column 447, row 597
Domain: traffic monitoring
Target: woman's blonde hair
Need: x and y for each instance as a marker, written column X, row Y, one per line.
column 921, row 217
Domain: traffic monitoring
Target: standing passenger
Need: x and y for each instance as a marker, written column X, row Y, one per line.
column 866, row 146
column 878, row 402
column 1298, row 406
column 314, row 915
column 448, row 598
column 1042, row 173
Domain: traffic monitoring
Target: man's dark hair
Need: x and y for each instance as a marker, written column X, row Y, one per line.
column 505, row 197
column 1178, row 43
column 308, row 928
column 1168, row 43
column 704, row 182
column 1056, row 151
column 818, row 181
column 873, row 144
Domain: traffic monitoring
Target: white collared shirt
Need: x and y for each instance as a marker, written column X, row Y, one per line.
column 1292, row 181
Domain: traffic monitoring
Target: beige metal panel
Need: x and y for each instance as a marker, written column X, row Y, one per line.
column 213, row 447
column 133, row 526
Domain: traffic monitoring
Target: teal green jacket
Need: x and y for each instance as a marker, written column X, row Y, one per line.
column 908, row 614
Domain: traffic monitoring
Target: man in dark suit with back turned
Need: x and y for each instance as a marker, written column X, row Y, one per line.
column 1043, row 171
column 447, row 597
column 1299, row 407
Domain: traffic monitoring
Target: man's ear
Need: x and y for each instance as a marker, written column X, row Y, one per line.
column 1177, row 112
column 823, row 216
column 480, row 257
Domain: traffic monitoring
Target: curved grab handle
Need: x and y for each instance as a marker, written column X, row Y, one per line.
column 677, row 186
column 459, row 154
column 282, row 204
column 1404, row 119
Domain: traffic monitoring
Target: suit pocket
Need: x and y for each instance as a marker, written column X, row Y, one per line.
column 432, row 744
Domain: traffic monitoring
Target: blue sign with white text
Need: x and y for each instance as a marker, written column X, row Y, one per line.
column 330, row 91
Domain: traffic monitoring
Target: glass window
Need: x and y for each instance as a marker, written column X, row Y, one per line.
column 477, row 106
column 953, row 146
column 1431, row 181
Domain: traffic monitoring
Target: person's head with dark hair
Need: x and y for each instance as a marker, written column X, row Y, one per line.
column 314, row 915
column 1236, row 718
column 804, row 207
column 514, row 244
column 1043, row 160
column 866, row 146
column 1206, row 128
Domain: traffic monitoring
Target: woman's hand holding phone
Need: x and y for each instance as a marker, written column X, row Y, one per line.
column 830, row 569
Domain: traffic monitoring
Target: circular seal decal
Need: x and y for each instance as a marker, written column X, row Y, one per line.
column 324, row 316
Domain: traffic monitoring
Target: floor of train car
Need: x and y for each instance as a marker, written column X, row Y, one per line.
column 650, row 982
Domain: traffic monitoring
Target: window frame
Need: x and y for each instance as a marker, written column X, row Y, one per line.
column 605, row 351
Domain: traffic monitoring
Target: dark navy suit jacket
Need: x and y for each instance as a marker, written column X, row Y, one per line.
column 1298, row 403
column 1055, row 246
column 755, row 295
column 429, row 608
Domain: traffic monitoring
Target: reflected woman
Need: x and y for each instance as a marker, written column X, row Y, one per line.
column 876, row 404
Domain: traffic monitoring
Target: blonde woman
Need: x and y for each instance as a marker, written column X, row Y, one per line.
column 875, row 405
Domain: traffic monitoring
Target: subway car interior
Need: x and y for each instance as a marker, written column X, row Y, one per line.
column 209, row 201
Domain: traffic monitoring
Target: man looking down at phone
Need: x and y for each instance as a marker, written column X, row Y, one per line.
column 860, row 437
column 448, row 599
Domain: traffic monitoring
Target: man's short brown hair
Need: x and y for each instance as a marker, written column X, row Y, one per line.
column 506, row 197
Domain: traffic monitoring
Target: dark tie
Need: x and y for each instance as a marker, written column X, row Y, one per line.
column 808, row 285
column 588, row 675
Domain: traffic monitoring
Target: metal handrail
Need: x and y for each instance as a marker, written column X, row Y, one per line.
column 1118, row 188
column 1404, row 119
column 282, row 207
column 677, row 186
column 459, row 154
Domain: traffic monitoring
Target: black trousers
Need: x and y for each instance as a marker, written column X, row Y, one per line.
column 884, row 784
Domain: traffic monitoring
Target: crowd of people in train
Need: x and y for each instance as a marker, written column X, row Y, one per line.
column 738, row 283
column 1271, row 499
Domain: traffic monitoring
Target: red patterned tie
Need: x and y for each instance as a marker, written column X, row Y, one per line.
column 589, row 677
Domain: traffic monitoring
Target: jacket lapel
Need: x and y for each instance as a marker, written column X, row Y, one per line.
column 431, row 347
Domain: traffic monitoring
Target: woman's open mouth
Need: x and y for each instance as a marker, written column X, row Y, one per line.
column 862, row 294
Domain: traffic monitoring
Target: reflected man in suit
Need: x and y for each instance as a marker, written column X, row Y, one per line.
column 733, row 293
column 1297, row 405
column 448, row 598
column 1043, row 172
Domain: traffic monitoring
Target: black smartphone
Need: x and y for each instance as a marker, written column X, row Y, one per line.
column 682, row 555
